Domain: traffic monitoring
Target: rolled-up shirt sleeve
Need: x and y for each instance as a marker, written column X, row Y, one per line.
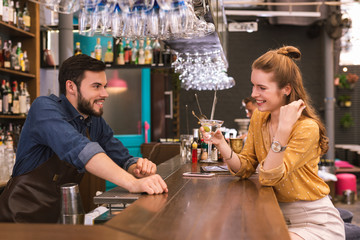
column 271, row 176
column 89, row 151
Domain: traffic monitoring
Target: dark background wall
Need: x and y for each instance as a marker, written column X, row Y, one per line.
column 243, row 49
column 349, row 135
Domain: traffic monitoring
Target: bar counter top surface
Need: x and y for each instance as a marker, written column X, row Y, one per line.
column 221, row 207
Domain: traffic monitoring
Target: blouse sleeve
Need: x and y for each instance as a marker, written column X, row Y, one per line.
column 303, row 146
column 247, row 156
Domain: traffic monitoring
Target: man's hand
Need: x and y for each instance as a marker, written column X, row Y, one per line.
column 153, row 184
column 142, row 168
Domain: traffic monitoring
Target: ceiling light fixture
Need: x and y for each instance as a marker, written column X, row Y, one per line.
column 116, row 84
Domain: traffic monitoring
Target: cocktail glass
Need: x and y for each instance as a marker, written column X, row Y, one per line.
column 210, row 126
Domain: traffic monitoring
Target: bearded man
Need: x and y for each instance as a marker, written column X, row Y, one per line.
column 62, row 138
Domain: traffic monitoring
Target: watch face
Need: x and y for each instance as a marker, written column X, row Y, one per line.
column 276, row 146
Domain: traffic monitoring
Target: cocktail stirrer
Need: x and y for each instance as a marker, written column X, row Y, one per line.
column 213, row 106
column 197, row 101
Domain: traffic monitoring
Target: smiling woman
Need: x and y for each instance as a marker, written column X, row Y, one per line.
column 285, row 141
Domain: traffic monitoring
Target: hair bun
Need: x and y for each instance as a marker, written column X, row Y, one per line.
column 290, row 51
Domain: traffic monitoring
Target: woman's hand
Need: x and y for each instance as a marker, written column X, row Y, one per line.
column 215, row 138
column 290, row 113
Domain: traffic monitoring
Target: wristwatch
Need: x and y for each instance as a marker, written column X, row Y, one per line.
column 276, row 147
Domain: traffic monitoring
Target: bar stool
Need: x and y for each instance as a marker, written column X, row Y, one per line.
column 344, row 182
column 345, row 215
column 352, row 231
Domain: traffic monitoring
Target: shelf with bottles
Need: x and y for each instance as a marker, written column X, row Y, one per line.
column 119, row 53
column 9, row 138
column 15, row 19
column 14, row 59
column 14, row 100
column 16, row 73
column 151, row 53
column 12, row 116
column 14, row 31
column 29, row 37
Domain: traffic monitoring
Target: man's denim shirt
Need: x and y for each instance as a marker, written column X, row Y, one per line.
column 53, row 125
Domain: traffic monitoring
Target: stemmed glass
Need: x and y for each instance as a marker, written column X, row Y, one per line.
column 210, row 126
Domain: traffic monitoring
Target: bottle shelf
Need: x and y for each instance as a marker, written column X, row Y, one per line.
column 115, row 66
column 13, row 31
column 12, row 116
column 17, row 73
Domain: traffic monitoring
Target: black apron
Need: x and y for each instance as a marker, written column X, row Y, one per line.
column 35, row 196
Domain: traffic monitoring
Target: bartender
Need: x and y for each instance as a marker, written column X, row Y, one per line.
column 61, row 139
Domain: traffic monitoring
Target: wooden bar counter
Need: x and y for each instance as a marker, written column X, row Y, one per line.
column 221, row 207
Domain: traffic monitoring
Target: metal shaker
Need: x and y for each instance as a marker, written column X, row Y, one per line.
column 72, row 211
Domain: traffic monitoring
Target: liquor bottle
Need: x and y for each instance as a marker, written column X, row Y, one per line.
column 109, row 55
column 77, row 49
column 15, row 59
column 5, row 101
column 9, row 100
column 204, row 150
column 127, row 52
column 9, row 154
column 26, row 63
column 195, row 146
column 11, row 13
column 5, row 16
column 26, row 18
column 22, row 99
column 167, row 56
column 7, row 55
column 141, row 52
column 156, row 53
column 134, row 53
column 98, row 50
column 120, row 60
column 15, row 109
column 28, row 100
column 148, row 52
column 18, row 16
column 20, row 56
column 214, row 153
column 1, row 52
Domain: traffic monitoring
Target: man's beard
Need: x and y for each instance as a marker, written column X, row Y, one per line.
column 84, row 107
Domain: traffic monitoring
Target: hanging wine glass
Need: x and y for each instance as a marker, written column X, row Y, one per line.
column 165, row 4
column 152, row 23
column 126, row 5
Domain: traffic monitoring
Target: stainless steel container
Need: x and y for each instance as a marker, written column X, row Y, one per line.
column 72, row 211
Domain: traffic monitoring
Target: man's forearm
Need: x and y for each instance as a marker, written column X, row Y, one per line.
column 104, row 167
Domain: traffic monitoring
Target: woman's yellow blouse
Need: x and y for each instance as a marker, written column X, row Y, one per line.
column 297, row 178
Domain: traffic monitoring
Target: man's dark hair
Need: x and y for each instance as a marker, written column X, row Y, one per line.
column 249, row 99
column 74, row 67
